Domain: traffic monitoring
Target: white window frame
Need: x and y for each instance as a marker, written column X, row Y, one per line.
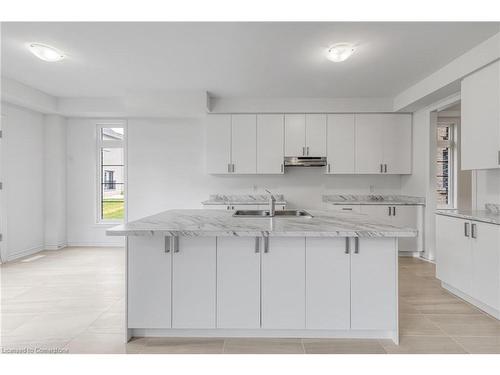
column 452, row 163
column 100, row 143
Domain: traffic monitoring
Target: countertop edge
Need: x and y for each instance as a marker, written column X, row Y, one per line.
column 469, row 217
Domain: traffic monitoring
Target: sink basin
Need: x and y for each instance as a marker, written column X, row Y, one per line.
column 265, row 213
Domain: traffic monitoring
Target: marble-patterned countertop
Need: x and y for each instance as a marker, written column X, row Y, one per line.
column 491, row 214
column 371, row 199
column 224, row 199
column 206, row 222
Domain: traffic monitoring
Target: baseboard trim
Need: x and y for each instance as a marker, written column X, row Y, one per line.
column 481, row 306
column 94, row 244
column 24, row 253
column 55, row 247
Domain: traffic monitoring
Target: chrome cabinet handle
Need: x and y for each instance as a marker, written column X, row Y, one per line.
column 385, row 168
column 347, row 247
column 303, row 151
column 381, row 168
column 282, row 168
column 466, row 229
column 307, row 150
column 257, row 244
column 228, row 167
column 232, row 168
column 175, row 243
column 328, row 168
column 390, row 211
column 346, row 208
column 473, row 231
column 266, row 244
column 356, row 245
column 168, row 244
column 394, row 211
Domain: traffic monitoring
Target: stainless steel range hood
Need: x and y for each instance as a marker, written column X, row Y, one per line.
column 305, row 161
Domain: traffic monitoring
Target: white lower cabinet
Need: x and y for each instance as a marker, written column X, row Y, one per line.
column 468, row 260
column 238, row 282
column 374, row 284
column 194, row 283
column 328, row 281
column 148, row 283
column 283, row 283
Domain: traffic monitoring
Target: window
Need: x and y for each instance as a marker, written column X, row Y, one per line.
column 111, row 173
column 445, row 165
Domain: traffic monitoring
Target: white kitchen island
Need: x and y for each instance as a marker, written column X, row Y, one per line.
column 206, row 273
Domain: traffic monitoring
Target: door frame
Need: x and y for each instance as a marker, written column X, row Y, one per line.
column 4, row 254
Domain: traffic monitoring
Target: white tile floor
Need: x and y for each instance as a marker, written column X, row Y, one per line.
column 73, row 299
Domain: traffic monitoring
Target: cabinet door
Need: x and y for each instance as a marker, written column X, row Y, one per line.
column 373, row 284
column 316, row 135
column 453, row 253
column 378, row 211
column 149, row 282
column 485, row 263
column 194, row 283
column 244, row 143
column 480, row 122
column 283, row 284
column 238, row 282
column 270, row 144
column 397, row 140
column 218, row 137
column 327, row 284
column 407, row 216
column 295, row 135
column 340, row 144
column 369, row 145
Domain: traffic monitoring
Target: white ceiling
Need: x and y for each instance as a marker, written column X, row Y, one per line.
column 234, row 59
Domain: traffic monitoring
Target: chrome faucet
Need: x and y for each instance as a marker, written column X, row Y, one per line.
column 272, row 202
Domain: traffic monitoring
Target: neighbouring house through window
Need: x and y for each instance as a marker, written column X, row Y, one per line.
column 111, row 186
column 445, row 165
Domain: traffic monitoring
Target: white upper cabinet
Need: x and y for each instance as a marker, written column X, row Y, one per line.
column 295, row 135
column 218, row 137
column 243, row 144
column 383, row 143
column 480, row 120
column 270, row 144
column 340, row 144
column 315, row 135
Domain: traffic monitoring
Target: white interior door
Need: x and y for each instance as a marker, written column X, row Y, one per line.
column 194, row 283
column 369, row 144
column 238, row 283
column 327, row 284
column 244, row 143
column 316, row 135
column 373, row 284
column 149, row 282
column 485, row 260
column 295, row 135
column 397, row 144
column 3, row 207
column 218, row 139
column 270, row 143
column 283, row 284
column 340, row 144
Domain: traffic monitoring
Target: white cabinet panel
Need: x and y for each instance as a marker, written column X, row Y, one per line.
column 407, row 216
column 453, row 252
column 218, row 137
column 480, row 119
column 194, row 283
column 149, row 282
column 283, row 284
column 369, row 144
column 377, row 211
column 374, row 284
column 341, row 144
column 485, row 239
column 397, row 140
column 270, row 143
column 327, row 284
column 345, row 208
column 295, row 135
column 244, row 144
column 315, row 135
column 238, row 283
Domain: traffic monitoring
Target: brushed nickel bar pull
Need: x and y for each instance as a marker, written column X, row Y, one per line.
column 282, row 168
column 307, row 150
column 390, row 212
column 466, row 229
column 356, row 245
column 394, row 211
column 385, row 168
column 266, row 244
column 228, row 167
column 328, row 168
column 175, row 244
column 347, row 247
column 381, row 168
column 168, row 244
column 303, row 151
column 257, row 245
column 474, row 231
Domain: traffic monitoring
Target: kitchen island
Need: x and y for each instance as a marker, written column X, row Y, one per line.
column 206, row 273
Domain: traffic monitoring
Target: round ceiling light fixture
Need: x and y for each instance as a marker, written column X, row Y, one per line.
column 45, row 52
column 340, row 52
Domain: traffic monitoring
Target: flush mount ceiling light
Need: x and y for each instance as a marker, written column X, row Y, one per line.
column 340, row 52
column 45, row 52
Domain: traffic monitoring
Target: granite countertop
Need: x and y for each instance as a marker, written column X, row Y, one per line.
column 224, row 199
column 491, row 214
column 373, row 199
column 206, row 222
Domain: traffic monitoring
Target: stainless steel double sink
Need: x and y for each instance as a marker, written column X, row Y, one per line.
column 266, row 213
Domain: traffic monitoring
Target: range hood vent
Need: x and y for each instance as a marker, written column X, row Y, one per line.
column 305, row 161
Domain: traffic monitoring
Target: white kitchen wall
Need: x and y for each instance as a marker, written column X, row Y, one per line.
column 23, row 169
column 487, row 187
column 81, row 187
column 166, row 170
